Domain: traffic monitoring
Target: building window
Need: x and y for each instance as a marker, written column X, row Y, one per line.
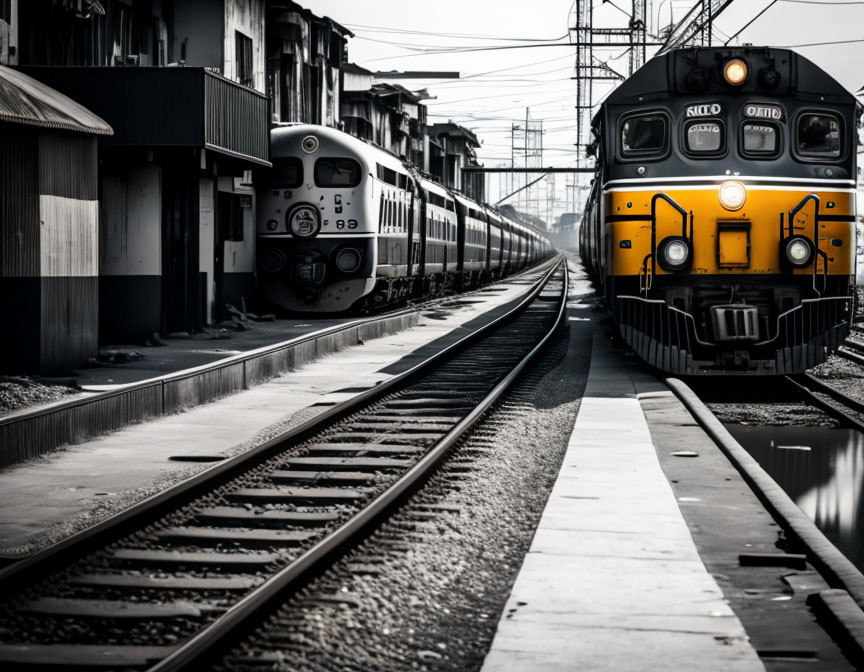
column 243, row 59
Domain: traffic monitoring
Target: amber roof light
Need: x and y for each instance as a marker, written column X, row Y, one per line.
column 735, row 71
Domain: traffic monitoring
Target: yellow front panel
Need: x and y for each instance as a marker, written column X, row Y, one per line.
column 733, row 249
column 762, row 210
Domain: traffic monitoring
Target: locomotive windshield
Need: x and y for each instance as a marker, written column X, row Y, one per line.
column 819, row 136
column 643, row 134
column 760, row 139
column 287, row 173
column 337, row 172
column 704, row 136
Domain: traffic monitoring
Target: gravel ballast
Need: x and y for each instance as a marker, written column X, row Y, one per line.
column 426, row 590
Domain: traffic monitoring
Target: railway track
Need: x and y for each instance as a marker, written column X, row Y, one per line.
column 853, row 349
column 160, row 584
column 829, row 399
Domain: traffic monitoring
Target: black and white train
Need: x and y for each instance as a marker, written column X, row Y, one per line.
column 343, row 224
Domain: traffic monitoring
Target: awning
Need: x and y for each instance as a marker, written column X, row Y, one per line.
column 24, row 100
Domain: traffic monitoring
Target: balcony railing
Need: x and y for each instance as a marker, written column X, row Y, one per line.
column 169, row 107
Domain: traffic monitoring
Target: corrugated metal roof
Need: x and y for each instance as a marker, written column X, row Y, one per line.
column 24, row 100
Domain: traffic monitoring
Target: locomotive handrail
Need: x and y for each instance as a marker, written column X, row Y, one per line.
column 787, row 314
column 819, row 253
column 653, row 255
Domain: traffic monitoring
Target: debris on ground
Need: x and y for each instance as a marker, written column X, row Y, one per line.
column 22, row 391
column 119, row 353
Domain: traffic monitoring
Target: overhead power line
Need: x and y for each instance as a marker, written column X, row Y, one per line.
column 473, row 49
column 750, row 22
column 464, row 36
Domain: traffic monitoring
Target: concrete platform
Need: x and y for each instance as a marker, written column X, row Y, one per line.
column 53, row 496
column 638, row 562
column 613, row 579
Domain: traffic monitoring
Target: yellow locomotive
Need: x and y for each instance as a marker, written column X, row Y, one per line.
column 721, row 220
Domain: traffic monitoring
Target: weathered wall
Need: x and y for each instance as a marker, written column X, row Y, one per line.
column 247, row 16
column 19, row 202
column 206, row 238
column 130, row 253
column 9, row 35
column 48, row 250
column 238, row 259
column 68, row 255
column 200, row 26
column 131, row 236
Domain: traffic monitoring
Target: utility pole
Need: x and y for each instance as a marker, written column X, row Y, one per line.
column 696, row 26
column 526, row 152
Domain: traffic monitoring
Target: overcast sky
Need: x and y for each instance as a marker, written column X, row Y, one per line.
column 393, row 36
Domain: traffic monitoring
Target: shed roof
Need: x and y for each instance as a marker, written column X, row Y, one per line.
column 24, row 100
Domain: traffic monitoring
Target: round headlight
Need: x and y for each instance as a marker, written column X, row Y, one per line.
column 735, row 72
column 272, row 261
column 673, row 253
column 732, row 195
column 798, row 251
column 309, row 144
column 303, row 222
column 348, row 260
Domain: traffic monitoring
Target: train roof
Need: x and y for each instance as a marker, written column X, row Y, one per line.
column 696, row 71
column 467, row 202
column 435, row 188
column 285, row 137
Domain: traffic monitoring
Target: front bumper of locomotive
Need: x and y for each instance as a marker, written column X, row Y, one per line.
column 748, row 336
column 318, row 275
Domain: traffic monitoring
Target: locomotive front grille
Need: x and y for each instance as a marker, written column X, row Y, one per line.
column 735, row 322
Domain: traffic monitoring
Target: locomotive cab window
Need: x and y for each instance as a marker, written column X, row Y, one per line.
column 337, row 172
column 760, row 139
column 287, row 173
column 818, row 136
column 644, row 135
column 704, row 137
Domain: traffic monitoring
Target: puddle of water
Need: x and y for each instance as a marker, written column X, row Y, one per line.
column 822, row 470
column 196, row 458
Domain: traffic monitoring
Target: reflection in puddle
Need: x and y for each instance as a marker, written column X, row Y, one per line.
column 822, row 470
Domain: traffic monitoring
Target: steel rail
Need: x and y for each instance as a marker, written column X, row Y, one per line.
column 807, row 385
column 190, row 653
column 80, row 543
column 24, row 417
column 851, row 352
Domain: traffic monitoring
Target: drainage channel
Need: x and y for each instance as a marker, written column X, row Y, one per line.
column 807, row 435
column 157, row 586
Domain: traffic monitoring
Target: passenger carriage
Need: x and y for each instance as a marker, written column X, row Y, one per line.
column 344, row 224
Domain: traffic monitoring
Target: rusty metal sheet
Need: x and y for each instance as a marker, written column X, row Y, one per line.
column 24, row 100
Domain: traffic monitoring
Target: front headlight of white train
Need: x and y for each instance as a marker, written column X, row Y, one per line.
column 303, row 221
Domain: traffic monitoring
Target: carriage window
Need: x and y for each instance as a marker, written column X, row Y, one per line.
column 287, row 173
column 333, row 172
column 645, row 134
column 704, row 137
column 819, row 136
column 760, row 139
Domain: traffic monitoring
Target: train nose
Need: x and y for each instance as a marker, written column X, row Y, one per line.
column 309, row 272
column 310, row 294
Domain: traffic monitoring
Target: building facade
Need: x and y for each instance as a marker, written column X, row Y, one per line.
column 305, row 54
column 183, row 84
column 49, row 238
column 453, row 147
